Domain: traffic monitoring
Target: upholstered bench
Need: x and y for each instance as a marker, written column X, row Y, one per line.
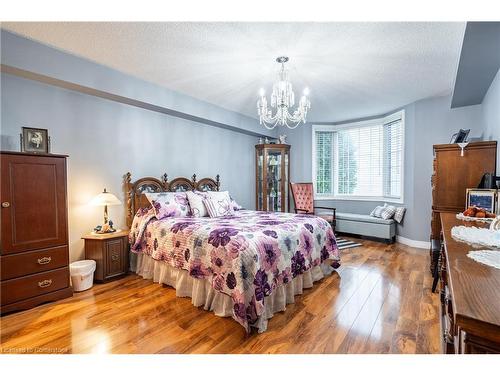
column 366, row 225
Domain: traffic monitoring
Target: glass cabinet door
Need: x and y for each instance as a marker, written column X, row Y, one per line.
column 272, row 173
column 273, row 180
column 260, row 179
column 286, row 202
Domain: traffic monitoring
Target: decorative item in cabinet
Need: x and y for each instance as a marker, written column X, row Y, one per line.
column 34, row 225
column 272, row 175
column 110, row 251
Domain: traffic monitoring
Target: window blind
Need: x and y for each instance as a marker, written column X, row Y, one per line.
column 324, row 181
column 363, row 160
column 393, row 155
column 359, row 161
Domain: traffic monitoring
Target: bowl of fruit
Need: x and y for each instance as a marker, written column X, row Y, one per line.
column 474, row 213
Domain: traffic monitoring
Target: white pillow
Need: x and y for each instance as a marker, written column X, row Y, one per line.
column 236, row 206
column 196, row 204
column 377, row 211
column 218, row 203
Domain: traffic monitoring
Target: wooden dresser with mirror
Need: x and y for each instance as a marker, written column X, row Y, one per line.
column 470, row 296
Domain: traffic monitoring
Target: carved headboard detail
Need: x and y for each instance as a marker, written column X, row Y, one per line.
column 134, row 191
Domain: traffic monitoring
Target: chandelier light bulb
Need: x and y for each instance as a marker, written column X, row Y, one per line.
column 283, row 102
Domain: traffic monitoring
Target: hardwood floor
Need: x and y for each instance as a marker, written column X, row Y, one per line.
column 380, row 302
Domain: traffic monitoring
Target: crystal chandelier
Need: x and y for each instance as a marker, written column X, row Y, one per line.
column 283, row 99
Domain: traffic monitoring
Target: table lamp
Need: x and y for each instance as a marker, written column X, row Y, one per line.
column 105, row 199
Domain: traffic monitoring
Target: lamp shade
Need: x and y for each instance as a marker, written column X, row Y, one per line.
column 105, row 199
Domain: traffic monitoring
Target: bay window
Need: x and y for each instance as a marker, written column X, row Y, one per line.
column 362, row 160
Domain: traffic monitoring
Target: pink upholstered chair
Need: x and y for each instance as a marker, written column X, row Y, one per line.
column 303, row 197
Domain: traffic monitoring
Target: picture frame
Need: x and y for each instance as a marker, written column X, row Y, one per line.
column 35, row 140
column 462, row 136
column 498, row 204
column 482, row 198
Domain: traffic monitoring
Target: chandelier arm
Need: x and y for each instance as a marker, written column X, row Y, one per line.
column 269, row 127
column 296, row 117
column 269, row 119
column 282, row 100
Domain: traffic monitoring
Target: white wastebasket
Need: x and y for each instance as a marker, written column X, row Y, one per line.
column 82, row 274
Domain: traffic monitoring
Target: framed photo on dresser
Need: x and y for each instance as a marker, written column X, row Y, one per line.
column 35, row 140
column 482, row 198
column 498, row 204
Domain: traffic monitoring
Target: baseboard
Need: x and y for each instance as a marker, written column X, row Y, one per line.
column 413, row 243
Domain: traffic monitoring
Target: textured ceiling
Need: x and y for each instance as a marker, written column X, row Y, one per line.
column 352, row 69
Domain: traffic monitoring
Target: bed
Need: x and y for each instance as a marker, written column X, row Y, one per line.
column 247, row 266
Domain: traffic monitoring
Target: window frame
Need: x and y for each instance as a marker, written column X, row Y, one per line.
column 333, row 128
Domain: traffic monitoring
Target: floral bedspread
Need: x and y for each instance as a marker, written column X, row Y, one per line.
column 245, row 256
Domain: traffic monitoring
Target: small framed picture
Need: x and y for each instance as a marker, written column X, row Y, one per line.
column 462, row 136
column 482, row 198
column 35, row 140
column 498, row 203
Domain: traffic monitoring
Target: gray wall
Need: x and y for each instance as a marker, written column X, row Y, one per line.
column 427, row 122
column 27, row 57
column 105, row 139
column 490, row 114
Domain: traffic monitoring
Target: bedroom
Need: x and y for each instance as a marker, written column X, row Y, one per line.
column 314, row 231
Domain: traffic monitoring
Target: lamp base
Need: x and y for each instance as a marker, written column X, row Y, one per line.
column 96, row 231
column 105, row 228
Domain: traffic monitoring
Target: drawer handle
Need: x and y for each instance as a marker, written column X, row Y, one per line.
column 115, row 257
column 44, row 260
column 45, row 283
column 5, row 204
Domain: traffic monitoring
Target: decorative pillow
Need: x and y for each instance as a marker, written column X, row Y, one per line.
column 219, row 195
column 377, row 211
column 235, row 205
column 218, row 203
column 385, row 212
column 169, row 204
column 196, row 204
column 400, row 214
column 388, row 212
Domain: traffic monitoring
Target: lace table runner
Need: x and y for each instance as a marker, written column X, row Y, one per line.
column 461, row 216
column 476, row 236
column 489, row 257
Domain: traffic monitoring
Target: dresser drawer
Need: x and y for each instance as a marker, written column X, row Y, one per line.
column 31, row 286
column 17, row 265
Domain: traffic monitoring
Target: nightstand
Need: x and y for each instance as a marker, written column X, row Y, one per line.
column 110, row 251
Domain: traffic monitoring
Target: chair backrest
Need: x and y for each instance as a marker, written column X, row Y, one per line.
column 303, row 196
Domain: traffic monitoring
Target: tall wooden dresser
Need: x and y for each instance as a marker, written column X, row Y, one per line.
column 452, row 175
column 34, row 254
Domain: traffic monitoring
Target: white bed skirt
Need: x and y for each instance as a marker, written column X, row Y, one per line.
column 202, row 294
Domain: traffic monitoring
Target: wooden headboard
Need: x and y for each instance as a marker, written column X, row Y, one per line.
column 134, row 191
